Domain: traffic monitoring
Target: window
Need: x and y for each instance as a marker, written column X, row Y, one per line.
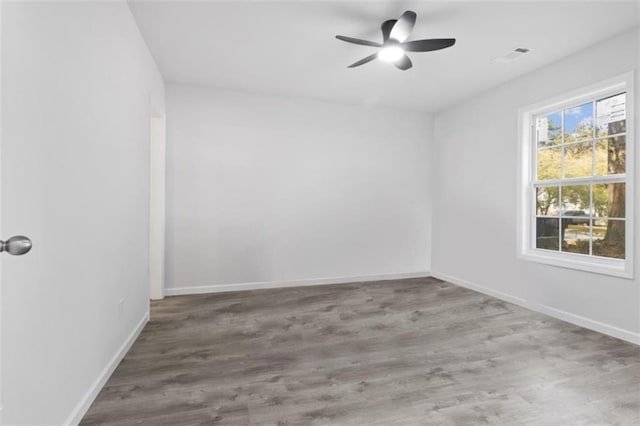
column 576, row 206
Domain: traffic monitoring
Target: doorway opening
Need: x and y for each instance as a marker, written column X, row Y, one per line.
column 157, row 166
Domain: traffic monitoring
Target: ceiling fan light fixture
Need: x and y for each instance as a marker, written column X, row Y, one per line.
column 394, row 46
column 390, row 53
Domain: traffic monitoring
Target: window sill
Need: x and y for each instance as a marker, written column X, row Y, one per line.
column 611, row 267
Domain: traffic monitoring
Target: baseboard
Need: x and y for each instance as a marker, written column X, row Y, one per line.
column 600, row 327
column 220, row 288
column 83, row 406
column 480, row 289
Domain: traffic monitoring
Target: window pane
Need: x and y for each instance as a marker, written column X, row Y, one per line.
column 609, row 200
column 611, row 156
column 549, row 130
column 608, row 238
column 578, row 123
column 575, row 200
column 611, row 114
column 575, row 235
column 549, row 163
column 547, row 234
column 547, row 201
column 578, row 160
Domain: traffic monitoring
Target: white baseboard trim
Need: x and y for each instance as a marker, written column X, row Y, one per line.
column 178, row 291
column 480, row 289
column 600, row 327
column 83, row 405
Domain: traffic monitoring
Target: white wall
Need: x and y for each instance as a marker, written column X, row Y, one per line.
column 269, row 189
column 157, row 205
column 77, row 81
column 475, row 166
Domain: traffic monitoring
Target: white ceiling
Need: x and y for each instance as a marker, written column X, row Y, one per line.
column 288, row 47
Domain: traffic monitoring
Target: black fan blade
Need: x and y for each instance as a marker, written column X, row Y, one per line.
column 403, row 63
column 363, row 61
column 386, row 29
column 428, row 45
column 402, row 29
column 358, row 41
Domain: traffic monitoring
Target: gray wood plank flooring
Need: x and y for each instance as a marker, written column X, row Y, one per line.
column 404, row 352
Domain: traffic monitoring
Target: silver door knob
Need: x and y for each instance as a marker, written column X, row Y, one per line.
column 16, row 245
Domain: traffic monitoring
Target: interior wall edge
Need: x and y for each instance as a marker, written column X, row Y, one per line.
column 87, row 399
column 600, row 327
column 239, row 91
column 221, row 288
column 507, row 83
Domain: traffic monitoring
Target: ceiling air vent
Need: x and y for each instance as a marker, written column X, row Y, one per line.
column 512, row 55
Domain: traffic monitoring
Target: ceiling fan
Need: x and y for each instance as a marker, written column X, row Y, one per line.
column 395, row 45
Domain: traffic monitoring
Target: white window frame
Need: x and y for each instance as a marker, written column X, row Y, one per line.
column 526, row 197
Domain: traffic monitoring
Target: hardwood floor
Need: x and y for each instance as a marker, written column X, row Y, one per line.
column 417, row 351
